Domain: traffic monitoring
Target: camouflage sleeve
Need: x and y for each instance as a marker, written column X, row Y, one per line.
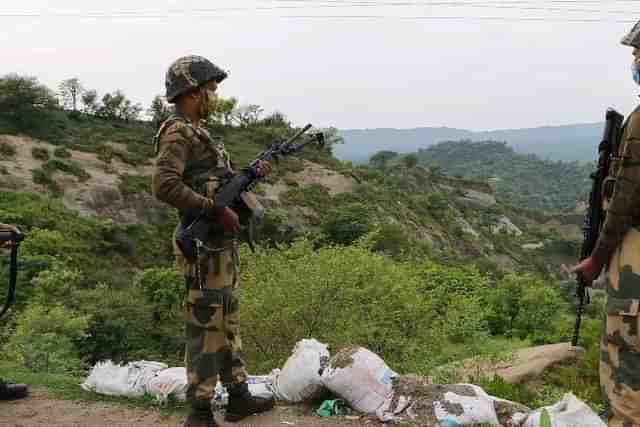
column 173, row 152
column 624, row 207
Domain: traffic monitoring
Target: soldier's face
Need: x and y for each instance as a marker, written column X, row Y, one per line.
column 636, row 55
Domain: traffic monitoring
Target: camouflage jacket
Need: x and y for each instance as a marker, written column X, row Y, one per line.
column 189, row 165
column 623, row 205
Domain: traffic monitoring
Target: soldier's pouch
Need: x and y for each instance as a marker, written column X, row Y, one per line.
column 206, row 308
column 623, row 322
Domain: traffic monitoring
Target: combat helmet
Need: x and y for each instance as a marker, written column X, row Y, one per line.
column 633, row 38
column 190, row 72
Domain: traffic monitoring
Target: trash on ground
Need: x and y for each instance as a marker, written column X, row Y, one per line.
column 360, row 377
column 331, row 408
column 129, row 380
column 299, row 380
column 362, row 381
column 569, row 412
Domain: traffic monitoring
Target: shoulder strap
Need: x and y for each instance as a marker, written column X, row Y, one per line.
column 163, row 127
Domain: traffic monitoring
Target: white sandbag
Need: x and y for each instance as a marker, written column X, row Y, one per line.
column 475, row 407
column 361, row 378
column 128, row 380
column 299, row 379
column 169, row 382
column 569, row 412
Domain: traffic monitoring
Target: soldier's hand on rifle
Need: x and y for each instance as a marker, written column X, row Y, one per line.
column 263, row 168
column 229, row 220
column 588, row 269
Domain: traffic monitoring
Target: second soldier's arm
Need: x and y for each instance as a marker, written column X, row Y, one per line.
column 173, row 153
column 624, row 207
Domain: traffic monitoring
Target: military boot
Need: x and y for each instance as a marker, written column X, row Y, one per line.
column 201, row 416
column 242, row 403
column 10, row 391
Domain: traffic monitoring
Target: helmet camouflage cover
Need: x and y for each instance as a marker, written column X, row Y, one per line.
column 633, row 38
column 190, row 72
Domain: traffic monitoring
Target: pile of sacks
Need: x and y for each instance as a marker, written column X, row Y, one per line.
column 360, row 378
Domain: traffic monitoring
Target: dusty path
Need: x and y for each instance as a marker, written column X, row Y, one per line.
column 41, row 410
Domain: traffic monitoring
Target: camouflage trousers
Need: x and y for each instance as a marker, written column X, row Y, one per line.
column 212, row 327
column 620, row 360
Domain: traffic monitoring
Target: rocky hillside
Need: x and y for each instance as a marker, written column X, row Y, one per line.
column 411, row 208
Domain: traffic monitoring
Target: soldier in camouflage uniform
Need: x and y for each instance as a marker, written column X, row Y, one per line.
column 618, row 248
column 189, row 166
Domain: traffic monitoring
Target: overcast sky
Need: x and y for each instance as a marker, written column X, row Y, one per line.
column 351, row 64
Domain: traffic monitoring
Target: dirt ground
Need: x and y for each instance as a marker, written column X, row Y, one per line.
column 40, row 410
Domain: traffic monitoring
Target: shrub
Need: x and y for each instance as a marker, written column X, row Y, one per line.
column 346, row 224
column 341, row 295
column 40, row 153
column 134, row 184
column 62, row 153
column 67, row 166
column 41, row 176
column 7, row 150
column 163, row 287
column 44, row 339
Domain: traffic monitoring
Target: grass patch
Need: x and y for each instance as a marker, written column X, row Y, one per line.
column 62, row 153
column 40, row 153
column 43, row 177
column 7, row 150
column 66, row 166
column 134, row 184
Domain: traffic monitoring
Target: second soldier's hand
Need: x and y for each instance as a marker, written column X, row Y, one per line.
column 263, row 168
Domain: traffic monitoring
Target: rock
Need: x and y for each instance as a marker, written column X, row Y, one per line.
column 533, row 246
column 475, row 198
column 525, row 364
column 505, row 225
column 466, row 227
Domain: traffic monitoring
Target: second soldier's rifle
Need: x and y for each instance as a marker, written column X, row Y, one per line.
column 594, row 218
column 15, row 239
column 190, row 237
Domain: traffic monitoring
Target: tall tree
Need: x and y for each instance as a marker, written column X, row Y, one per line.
column 159, row 110
column 71, row 91
column 116, row 106
column 381, row 158
column 25, row 103
column 90, row 101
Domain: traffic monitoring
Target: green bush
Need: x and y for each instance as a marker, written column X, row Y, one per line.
column 342, row 295
column 67, row 166
column 44, row 339
column 7, row 150
column 40, row 153
column 134, row 184
column 41, row 176
column 62, row 153
column 346, row 224
column 525, row 306
column 163, row 287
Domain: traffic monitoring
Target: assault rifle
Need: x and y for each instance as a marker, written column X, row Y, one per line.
column 594, row 218
column 15, row 238
column 190, row 237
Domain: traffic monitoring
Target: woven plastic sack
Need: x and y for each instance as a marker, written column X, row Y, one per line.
column 299, row 380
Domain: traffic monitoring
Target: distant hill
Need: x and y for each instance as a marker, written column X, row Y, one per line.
column 521, row 180
column 571, row 142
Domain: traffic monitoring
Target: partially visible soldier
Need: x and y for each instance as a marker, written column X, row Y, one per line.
column 8, row 390
column 618, row 248
column 189, row 166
